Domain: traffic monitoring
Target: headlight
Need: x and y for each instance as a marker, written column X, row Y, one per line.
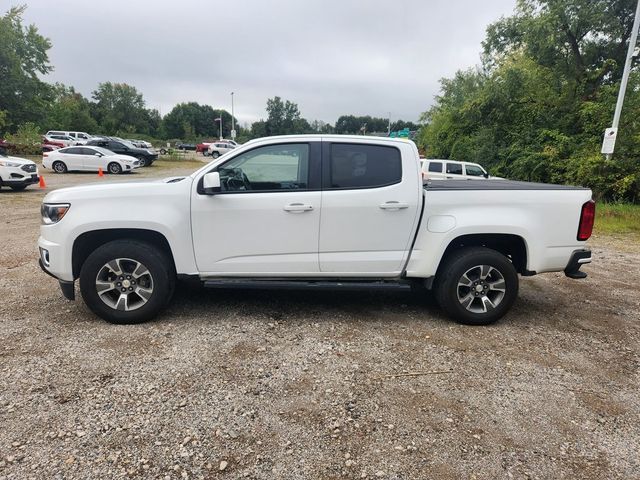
column 5, row 163
column 53, row 212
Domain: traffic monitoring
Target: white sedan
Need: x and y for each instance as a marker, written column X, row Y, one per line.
column 88, row 159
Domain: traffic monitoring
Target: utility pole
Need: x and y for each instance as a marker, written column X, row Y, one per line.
column 609, row 142
column 389, row 127
column 233, row 125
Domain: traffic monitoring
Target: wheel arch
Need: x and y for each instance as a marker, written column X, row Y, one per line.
column 511, row 246
column 87, row 242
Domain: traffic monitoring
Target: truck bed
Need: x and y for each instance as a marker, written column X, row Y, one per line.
column 494, row 185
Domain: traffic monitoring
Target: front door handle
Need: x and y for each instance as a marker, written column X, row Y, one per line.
column 393, row 205
column 298, row 207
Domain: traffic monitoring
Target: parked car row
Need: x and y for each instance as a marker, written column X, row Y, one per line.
column 118, row 145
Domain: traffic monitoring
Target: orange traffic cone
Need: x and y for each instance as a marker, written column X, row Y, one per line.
column 100, row 174
column 42, row 184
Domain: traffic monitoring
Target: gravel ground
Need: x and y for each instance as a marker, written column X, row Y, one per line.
column 231, row 383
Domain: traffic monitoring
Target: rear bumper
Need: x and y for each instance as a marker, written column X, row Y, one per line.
column 578, row 258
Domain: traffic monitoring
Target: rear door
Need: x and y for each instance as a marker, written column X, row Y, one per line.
column 454, row 170
column 92, row 161
column 370, row 204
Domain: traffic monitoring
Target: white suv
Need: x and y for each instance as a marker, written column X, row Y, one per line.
column 218, row 149
column 17, row 173
column 79, row 136
column 435, row 169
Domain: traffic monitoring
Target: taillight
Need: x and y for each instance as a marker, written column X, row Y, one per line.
column 587, row 216
column 45, row 154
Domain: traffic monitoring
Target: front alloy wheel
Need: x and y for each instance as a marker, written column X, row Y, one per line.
column 127, row 281
column 124, row 284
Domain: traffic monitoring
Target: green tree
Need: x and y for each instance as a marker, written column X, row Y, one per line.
column 192, row 121
column 23, row 56
column 537, row 107
column 119, row 107
column 283, row 118
column 70, row 111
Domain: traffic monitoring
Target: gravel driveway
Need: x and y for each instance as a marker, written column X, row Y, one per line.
column 252, row 384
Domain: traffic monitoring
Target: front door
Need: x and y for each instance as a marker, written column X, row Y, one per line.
column 266, row 219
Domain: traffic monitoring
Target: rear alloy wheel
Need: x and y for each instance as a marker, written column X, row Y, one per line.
column 59, row 167
column 143, row 161
column 127, row 281
column 476, row 285
column 215, row 154
column 114, row 168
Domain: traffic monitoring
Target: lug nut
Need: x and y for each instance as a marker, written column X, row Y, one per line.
column 119, row 284
column 130, row 288
column 124, row 289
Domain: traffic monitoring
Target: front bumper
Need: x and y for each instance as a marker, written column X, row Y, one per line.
column 20, row 179
column 578, row 258
column 68, row 288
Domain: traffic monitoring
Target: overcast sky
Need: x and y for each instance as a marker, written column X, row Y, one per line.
column 332, row 57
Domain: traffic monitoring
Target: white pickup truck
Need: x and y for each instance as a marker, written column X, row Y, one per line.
column 318, row 212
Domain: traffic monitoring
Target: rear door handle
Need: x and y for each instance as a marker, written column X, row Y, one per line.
column 298, row 207
column 394, row 205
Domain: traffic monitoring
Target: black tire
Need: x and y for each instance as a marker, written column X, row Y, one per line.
column 59, row 167
column 158, row 267
column 18, row 188
column 114, row 168
column 448, row 286
column 215, row 154
column 163, row 151
column 143, row 161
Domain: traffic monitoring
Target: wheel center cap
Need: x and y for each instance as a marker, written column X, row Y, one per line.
column 478, row 288
column 126, row 283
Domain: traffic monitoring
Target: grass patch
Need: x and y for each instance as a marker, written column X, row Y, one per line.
column 164, row 162
column 617, row 218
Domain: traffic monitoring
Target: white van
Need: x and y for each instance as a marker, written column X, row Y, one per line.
column 436, row 169
column 79, row 136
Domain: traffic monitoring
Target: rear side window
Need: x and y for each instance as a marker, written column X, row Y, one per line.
column 454, row 168
column 364, row 166
column 435, row 167
column 74, row 151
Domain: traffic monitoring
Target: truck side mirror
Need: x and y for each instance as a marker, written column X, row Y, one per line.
column 211, row 183
column 486, row 175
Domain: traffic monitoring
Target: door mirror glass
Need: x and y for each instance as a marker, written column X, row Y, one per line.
column 211, row 183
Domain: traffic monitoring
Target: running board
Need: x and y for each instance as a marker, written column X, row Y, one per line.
column 305, row 285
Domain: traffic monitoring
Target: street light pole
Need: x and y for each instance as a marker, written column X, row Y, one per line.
column 609, row 143
column 389, row 126
column 233, row 125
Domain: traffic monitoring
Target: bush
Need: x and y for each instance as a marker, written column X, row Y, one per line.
column 26, row 141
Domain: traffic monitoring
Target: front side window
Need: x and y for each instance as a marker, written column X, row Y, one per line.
column 435, row 167
column 364, row 166
column 474, row 171
column 454, row 168
column 270, row 168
